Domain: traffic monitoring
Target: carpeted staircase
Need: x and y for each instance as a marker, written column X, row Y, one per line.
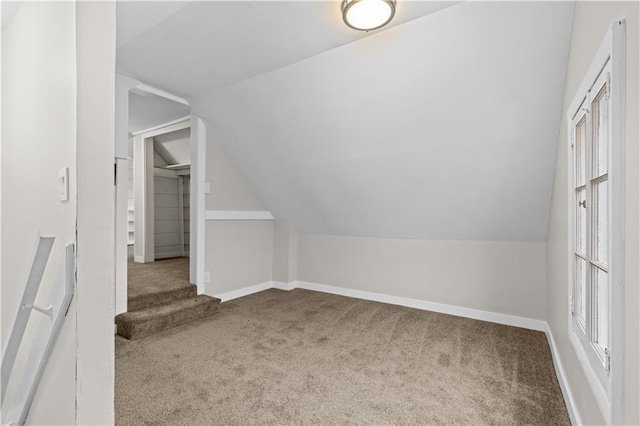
column 153, row 312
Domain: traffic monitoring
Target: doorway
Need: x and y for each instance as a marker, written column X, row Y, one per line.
column 159, row 202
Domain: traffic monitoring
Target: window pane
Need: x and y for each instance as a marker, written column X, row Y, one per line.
column 601, row 222
column 580, row 300
column 600, row 106
column 580, row 151
column 581, row 222
column 601, row 314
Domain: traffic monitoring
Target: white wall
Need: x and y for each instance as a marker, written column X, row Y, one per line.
column 591, row 22
column 238, row 254
column 500, row 277
column 95, row 46
column 39, row 138
column 285, row 251
column 229, row 190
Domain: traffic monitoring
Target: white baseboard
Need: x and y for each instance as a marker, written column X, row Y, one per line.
column 284, row 286
column 528, row 323
column 569, row 400
column 245, row 291
column 138, row 259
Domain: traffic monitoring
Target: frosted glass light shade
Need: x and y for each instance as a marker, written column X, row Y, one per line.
column 366, row 15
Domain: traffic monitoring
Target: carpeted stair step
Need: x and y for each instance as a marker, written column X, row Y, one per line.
column 138, row 324
column 157, row 298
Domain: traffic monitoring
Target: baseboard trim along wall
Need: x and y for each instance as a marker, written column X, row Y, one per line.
column 245, row 291
column 424, row 305
column 512, row 320
column 528, row 323
column 284, row 286
column 238, row 215
column 569, row 400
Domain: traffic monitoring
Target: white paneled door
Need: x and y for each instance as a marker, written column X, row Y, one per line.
column 169, row 221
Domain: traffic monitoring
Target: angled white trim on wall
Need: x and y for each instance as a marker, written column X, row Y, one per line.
column 238, row 215
column 146, row 89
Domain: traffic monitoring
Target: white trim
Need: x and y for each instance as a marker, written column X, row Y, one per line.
column 569, row 399
column 617, row 178
column 198, row 144
column 138, row 259
column 153, row 91
column 595, row 385
column 186, row 118
column 516, row 321
column 238, row 215
column 512, row 320
column 284, row 286
column 159, row 171
column 611, row 53
column 121, row 234
column 245, row 291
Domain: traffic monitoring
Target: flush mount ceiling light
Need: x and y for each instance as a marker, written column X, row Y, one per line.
column 367, row 15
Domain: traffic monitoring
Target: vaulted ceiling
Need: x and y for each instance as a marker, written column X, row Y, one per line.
column 442, row 126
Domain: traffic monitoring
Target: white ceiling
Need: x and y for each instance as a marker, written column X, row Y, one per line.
column 443, row 127
column 189, row 48
column 174, row 147
column 147, row 111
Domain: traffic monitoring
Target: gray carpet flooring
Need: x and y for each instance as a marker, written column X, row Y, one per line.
column 148, row 278
column 303, row 357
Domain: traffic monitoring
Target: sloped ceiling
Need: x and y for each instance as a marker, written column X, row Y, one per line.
column 443, row 127
column 147, row 111
column 189, row 48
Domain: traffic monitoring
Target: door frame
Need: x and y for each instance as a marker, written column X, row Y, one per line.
column 125, row 85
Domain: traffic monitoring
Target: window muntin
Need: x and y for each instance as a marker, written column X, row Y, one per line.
column 591, row 290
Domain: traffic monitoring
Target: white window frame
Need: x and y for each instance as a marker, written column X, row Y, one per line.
column 603, row 371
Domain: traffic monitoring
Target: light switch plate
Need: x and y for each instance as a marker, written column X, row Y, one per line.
column 207, row 276
column 207, row 188
column 63, row 184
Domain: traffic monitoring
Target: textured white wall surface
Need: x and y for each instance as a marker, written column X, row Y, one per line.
column 238, row 254
column 500, row 277
column 229, row 189
column 591, row 23
column 38, row 139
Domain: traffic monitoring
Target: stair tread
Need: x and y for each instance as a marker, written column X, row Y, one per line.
column 174, row 306
column 163, row 297
column 140, row 323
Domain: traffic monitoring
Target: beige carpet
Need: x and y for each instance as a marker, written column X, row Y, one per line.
column 165, row 274
column 303, row 357
column 157, row 283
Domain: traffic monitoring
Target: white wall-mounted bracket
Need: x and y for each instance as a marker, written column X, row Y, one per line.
column 48, row 311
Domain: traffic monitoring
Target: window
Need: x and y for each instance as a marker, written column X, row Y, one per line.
column 596, row 224
column 590, row 302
